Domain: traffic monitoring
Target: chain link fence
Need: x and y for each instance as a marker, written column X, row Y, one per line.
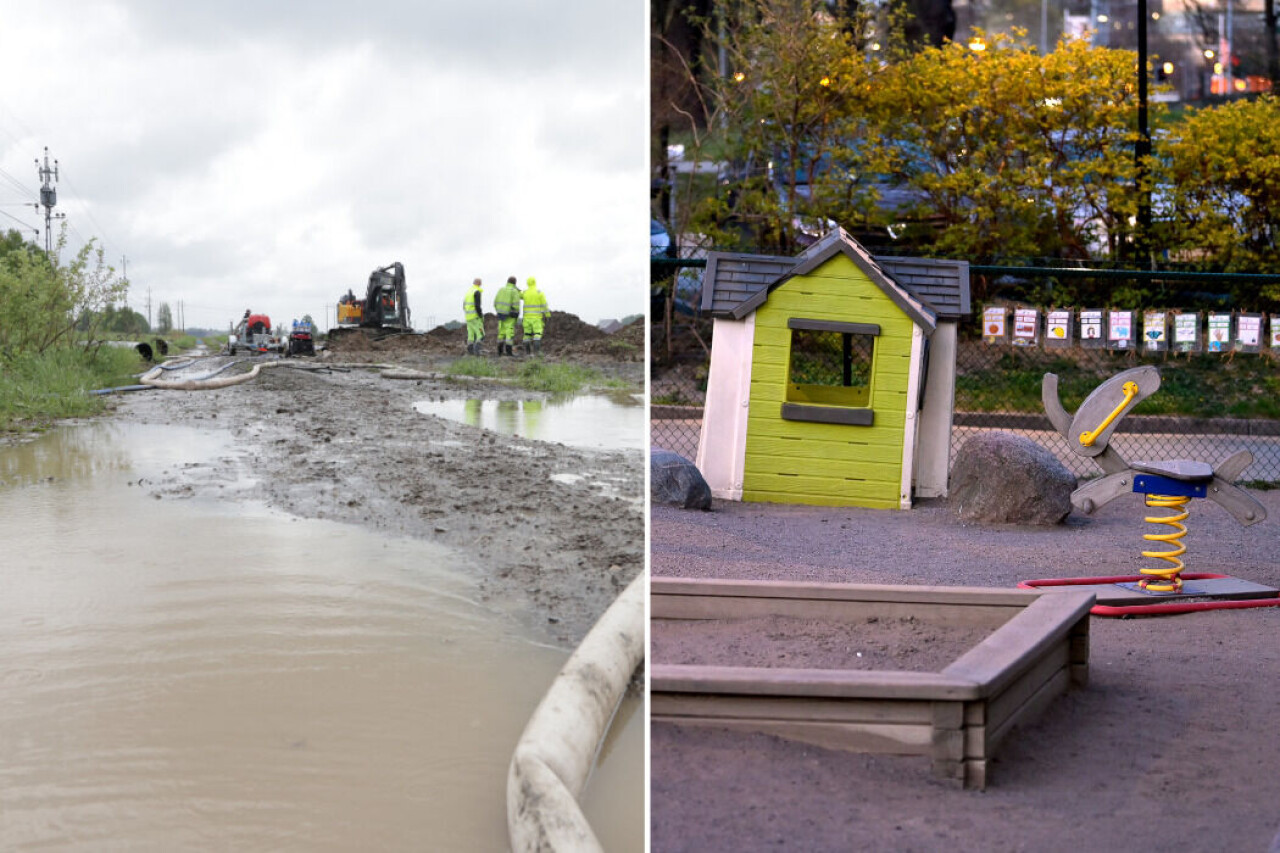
column 1210, row 405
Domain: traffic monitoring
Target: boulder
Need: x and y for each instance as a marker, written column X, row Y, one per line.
column 1002, row 478
column 676, row 481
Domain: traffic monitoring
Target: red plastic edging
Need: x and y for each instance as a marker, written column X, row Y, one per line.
column 1152, row 609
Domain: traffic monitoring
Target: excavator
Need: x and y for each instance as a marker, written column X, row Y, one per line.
column 385, row 304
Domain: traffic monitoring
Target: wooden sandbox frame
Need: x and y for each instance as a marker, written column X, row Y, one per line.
column 1038, row 648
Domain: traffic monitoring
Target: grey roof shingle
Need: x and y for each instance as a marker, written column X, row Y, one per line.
column 735, row 278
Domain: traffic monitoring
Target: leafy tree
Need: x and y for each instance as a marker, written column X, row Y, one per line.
column 44, row 301
column 1222, row 168
column 795, row 85
column 164, row 319
column 1013, row 152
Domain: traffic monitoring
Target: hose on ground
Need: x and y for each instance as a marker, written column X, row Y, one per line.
column 557, row 751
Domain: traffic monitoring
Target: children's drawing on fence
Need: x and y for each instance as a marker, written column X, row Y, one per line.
column 1057, row 327
column 1219, row 332
column 1186, row 331
column 993, row 323
column 1120, row 329
column 1154, row 334
column 1091, row 328
column 1026, row 323
column 1248, row 332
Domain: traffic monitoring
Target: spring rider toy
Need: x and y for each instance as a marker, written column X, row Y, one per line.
column 1163, row 588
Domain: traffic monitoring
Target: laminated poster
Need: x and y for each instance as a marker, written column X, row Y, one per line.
column 1026, row 321
column 1185, row 327
column 1057, row 328
column 1120, row 329
column 1219, row 332
column 1274, row 337
column 1091, row 327
column 1154, row 335
column 1249, row 330
column 993, row 319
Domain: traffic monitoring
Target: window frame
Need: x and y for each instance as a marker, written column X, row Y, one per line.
column 833, row 413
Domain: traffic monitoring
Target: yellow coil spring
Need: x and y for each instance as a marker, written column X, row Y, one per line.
column 1166, row 579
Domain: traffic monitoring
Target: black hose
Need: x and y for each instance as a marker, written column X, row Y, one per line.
column 122, row 389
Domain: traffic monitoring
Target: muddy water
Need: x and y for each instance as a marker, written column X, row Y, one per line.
column 200, row 674
column 589, row 420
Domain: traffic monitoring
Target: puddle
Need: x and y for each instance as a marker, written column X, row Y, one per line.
column 192, row 674
column 588, row 420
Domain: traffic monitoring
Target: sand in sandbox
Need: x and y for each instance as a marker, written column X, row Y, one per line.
column 875, row 643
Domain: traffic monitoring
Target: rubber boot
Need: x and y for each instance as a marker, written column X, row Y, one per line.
column 537, row 347
column 502, row 349
column 471, row 349
column 528, row 348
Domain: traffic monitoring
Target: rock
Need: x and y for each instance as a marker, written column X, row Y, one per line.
column 1001, row 478
column 676, row 481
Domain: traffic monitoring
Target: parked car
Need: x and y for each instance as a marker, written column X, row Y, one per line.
column 660, row 243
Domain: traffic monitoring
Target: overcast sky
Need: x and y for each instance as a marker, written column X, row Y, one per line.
column 270, row 155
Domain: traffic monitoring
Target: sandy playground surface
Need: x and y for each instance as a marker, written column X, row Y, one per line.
column 1174, row 744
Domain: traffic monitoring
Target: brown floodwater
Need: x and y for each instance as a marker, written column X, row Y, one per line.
column 203, row 674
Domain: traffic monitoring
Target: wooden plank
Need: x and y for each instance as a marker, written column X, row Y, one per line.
column 990, row 617
column 1020, row 641
column 890, row 739
column 842, row 710
column 975, row 774
column 878, row 501
column 1001, row 706
column 757, row 681
column 830, row 488
column 820, row 450
column 834, row 469
column 841, row 415
column 763, row 421
column 955, row 595
column 1030, row 711
column 947, row 745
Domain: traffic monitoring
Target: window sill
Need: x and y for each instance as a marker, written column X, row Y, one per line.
column 827, row 414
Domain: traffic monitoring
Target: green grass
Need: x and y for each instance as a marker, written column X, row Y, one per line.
column 1200, row 386
column 535, row 374
column 471, row 365
column 556, row 378
column 37, row 390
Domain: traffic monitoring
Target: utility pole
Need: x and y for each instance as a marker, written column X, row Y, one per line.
column 48, row 198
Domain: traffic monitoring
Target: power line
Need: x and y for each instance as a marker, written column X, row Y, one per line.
column 20, row 222
column 110, row 244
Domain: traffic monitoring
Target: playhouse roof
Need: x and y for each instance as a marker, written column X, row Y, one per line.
column 737, row 283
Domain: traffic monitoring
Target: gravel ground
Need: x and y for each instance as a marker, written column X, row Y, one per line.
column 349, row 447
column 1172, row 746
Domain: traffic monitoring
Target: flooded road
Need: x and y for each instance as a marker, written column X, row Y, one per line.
column 205, row 674
column 615, row 422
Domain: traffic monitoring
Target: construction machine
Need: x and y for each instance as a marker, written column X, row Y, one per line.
column 385, row 304
column 253, row 334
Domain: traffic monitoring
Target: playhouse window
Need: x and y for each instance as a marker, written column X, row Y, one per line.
column 830, row 366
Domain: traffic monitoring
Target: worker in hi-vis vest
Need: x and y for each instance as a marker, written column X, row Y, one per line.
column 507, row 306
column 535, row 316
column 473, row 312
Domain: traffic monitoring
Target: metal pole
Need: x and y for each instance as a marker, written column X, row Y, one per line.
column 1142, row 147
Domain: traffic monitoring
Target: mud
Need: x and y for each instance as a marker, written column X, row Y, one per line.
column 557, row 532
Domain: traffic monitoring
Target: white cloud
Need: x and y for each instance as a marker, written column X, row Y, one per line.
column 248, row 155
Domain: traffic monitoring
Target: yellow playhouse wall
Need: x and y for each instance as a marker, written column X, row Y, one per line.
column 827, row 464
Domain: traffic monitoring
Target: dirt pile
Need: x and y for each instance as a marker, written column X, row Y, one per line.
column 566, row 336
